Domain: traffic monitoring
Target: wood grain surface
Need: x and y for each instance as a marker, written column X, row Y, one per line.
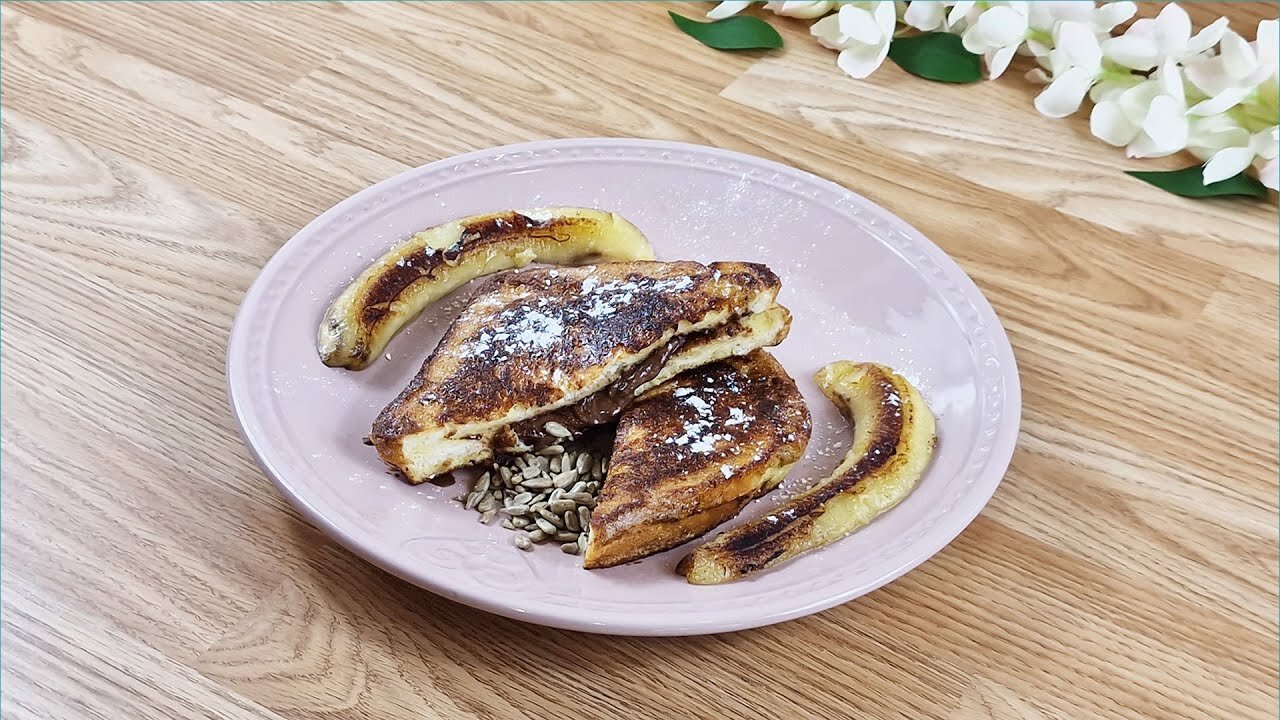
column 155, row 155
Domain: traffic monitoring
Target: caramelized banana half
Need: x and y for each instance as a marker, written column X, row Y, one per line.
column 894, row 434
column 435, row 262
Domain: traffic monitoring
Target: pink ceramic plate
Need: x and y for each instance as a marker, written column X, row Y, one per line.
column 861, row 284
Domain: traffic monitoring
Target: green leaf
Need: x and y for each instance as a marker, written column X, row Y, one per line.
column 740, row 32
column 1189, row 182
column 936, row 56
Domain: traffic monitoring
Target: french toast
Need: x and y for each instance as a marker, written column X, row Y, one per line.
column 574, row 345
column 691, row 453
column 433, row 263
column 894, row 437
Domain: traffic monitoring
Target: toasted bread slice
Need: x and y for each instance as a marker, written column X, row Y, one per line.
column 691, row 453
column 543, row 339
column 435, row 262
column 894, row 437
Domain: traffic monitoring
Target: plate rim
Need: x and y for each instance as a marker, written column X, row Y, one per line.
column 981, row 490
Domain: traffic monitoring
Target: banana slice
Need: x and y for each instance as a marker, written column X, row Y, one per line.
column 439, row 260
column 894, row 434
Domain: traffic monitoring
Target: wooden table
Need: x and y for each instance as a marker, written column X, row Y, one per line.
column 156, row 155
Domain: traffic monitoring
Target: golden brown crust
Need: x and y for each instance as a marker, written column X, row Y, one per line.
column 692, row 452
column 536, row 337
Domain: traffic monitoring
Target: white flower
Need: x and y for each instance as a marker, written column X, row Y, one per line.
column 1269, row 173
column 1043, row 18
column 1234, row 75
column 861, row 31
column 996, row 34
column 1149, row 118
column 795, row 8
column 728, row 8
column 1231, row 161
column 1151, row 41
column 928, row 16
column 1078, row 67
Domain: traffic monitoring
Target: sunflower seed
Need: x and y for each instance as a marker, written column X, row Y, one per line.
column 487, row 504
column 569, row 458
column 522, row 542
column 552, row 450
column 531, row 472
column 550, row 517
column 582, row 543
column 542, row 462
column 584, row 517
column 593, row 486
column 507, row 524
column 521, row 522
column 505, row 472
column 536, row 535
column 555, row 466
column 546, row 527
column 571, row 521
column 570, row 547
column 555, row 494
column 535, row 507
column 487, row 516
column 580, row 486
column 556, row 429
column 522, row 499
column 562, row 506
column 539, row 498
column 520, row 462
column 579, row 497
column 514, row 510
column 566, row 536
column 583, row 463
column 472, row 500
column 541, row 483
column 482, row 485
column 597, row 473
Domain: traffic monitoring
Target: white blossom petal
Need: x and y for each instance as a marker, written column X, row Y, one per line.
column 1078, row 45
column 1001, row 26
column 1112, row 14
column 1166, row 126
column 959, row 11
column 1065, row 93
column 1206, row 38
column 827, row 31
column 1236, row 55
column 998, row 61
column 1172, row 27
column 858, row 24
column 1226, row 163
column 1132, row 51
column 1221, row 102
column 1266, row 143
column 1269, row 174
column 886, row 15
column 925, row 16
column 1268, row 44
column 801, row 8
column 1038, row 76
column 860, row 60
column 1170, row 78
column 728, row 8
column 1108, row 123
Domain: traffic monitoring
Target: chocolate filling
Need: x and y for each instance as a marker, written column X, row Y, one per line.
column 604, row 406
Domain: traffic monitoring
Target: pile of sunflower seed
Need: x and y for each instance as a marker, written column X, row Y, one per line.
column 546, row 494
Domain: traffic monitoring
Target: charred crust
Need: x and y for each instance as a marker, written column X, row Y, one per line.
column 764, row 391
